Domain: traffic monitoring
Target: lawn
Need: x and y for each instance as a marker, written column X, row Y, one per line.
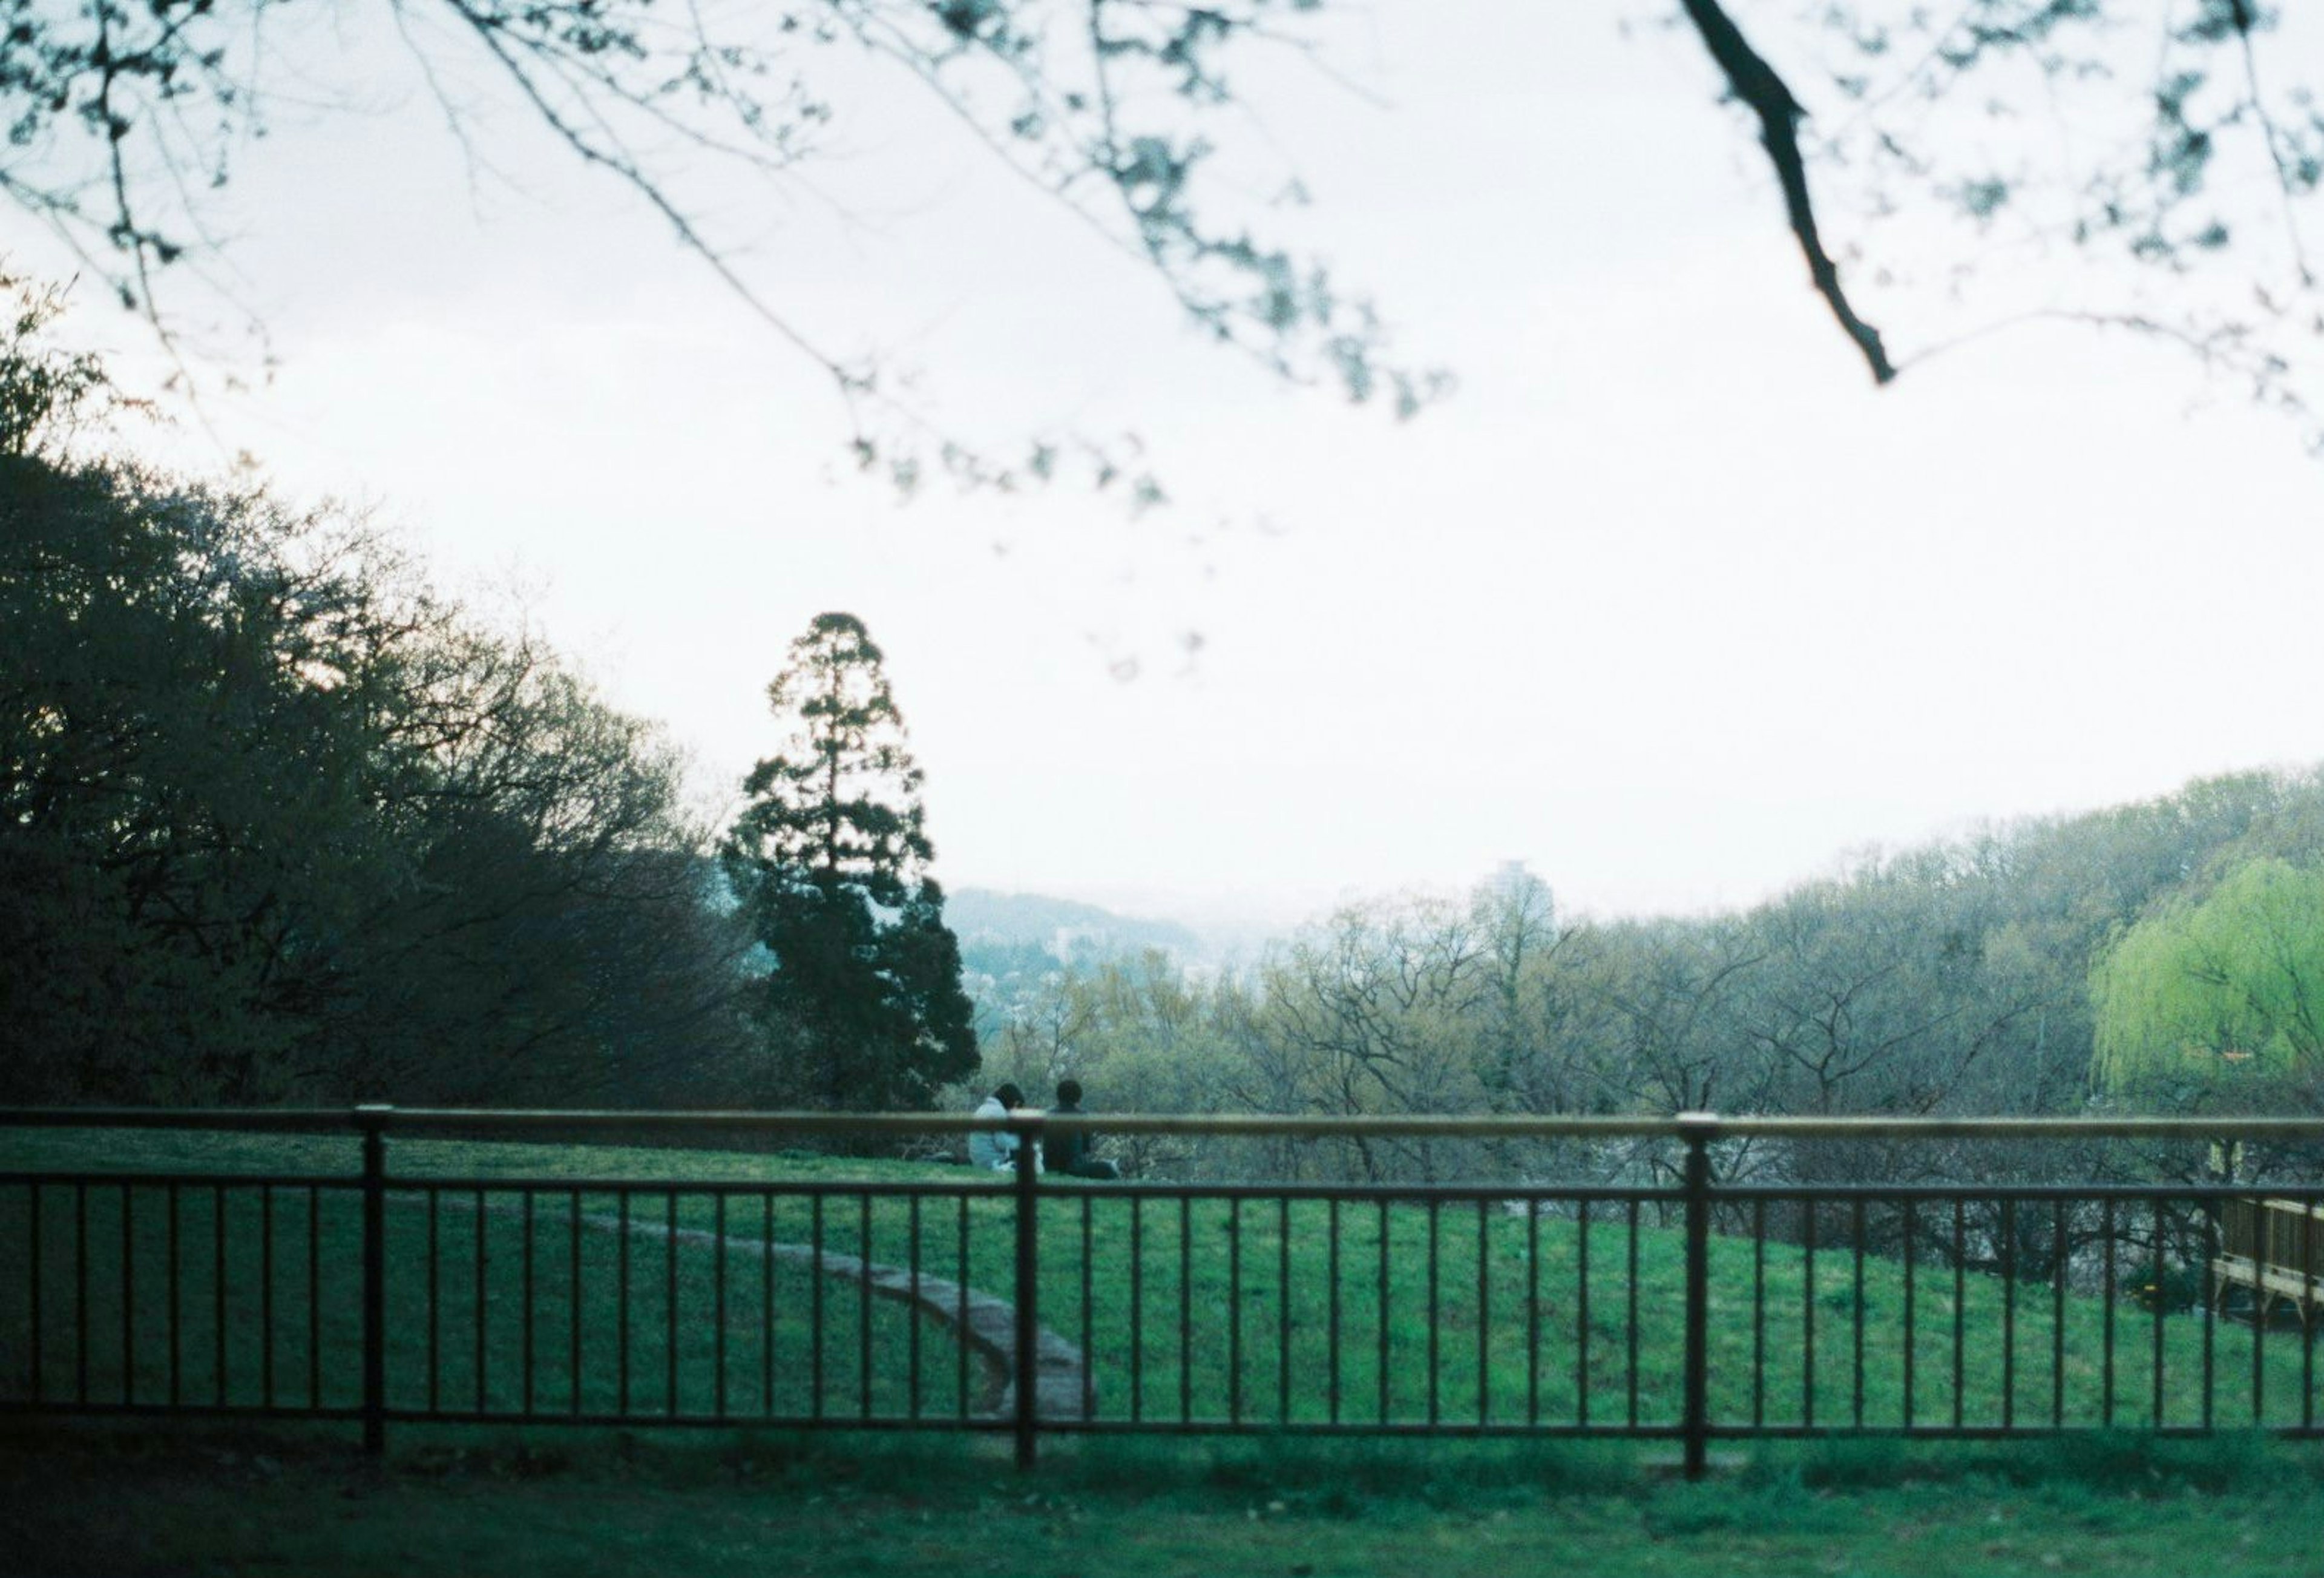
column 92, row 1502
column 529, row 1281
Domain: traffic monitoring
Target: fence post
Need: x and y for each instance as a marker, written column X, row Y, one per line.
column 370, row 1119
column 1696, row 1130
column 1027, row 1130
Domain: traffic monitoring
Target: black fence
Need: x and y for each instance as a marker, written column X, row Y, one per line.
column 475, row 1284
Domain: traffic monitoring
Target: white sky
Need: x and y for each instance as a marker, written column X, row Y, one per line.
column 1667, row 601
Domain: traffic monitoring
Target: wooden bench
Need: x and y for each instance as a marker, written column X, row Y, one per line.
column 2273, row 1249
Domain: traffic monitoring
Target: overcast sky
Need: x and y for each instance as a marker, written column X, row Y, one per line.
column 1667, row 601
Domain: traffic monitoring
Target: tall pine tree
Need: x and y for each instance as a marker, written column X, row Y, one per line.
column 863, row 1007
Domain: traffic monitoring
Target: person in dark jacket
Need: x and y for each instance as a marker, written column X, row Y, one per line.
column 1068, row 1151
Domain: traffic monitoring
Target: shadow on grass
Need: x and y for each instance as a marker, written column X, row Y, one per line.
column 1296, row 1474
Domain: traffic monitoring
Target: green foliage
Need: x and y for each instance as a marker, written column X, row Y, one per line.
column 279, row 822
column 862, row 1007
column 2220, row 998
column 1951, row 978
column 124, row 125
column 44, row 391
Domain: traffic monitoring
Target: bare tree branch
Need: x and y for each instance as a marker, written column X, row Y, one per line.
column 1755, row 82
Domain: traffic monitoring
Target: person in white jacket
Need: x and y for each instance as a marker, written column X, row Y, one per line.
column 992, row 1148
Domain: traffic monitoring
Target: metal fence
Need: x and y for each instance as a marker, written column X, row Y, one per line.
column 717, row 1289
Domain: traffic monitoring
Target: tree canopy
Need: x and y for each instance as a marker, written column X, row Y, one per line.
column 862, row 1005
column 2179, row 146
column 1954, row 978
column 278, row 821
column 2219, row 1000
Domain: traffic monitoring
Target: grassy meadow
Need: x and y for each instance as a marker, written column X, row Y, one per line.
column 506, row 1287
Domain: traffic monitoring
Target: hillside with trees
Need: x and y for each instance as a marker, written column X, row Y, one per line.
column 282, row 822
column 285, row 823
column 2158, row 956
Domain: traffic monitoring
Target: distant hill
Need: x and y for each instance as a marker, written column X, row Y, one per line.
column 1064, row 929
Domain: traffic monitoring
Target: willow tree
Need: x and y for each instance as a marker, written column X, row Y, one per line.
column 2217, row 1002
column 862, row 1006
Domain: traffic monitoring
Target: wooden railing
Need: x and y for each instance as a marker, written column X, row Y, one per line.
column 2272, row 1250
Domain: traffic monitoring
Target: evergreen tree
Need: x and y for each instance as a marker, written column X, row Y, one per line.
column 864, row 1007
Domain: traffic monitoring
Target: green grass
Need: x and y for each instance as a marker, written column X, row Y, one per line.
column 269, row 1313
column 1510, row 1327
column 219, row 1503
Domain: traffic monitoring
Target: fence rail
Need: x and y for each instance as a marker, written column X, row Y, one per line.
column 1691, row 1309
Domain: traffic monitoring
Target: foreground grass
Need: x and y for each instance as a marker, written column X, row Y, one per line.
column 1255, row 1312
column 90, row 1503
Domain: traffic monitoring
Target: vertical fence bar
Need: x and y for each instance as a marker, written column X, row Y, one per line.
column 1435, row 1320
column 2057, row 1315
column 766, row 1306
column 1029, row 1293
column 1333, row 1313
column 718, row 1306
column 1856, row 1232
column 1960, row 1309
column 1185, row 1309
column 370, row 1121
column 814, row 1306
column 525, row 1304
column 2161, row 1298
column 1807, row 1314
column 959, row 1313
column 863, row 1306
column 32, row 1292
column 80, row 1294
column 1089, row 1349
column 2259, row 1336
column 1283, row 1306
column 912, row 1338
column 621, row 1302
column 175, row 1302
column 2008, row 1314
column 2310, row 1316
column 1631, row 1295
column 1484, row 1317
column 1533, row 1312
column 266, row 1294
column 2105, row 1321
column 1696, row 1128
column 1383, row 1312
column 1758, row 1312
column 573, row 1310
column 482, row 1305
column 129, row 1303
column 1581, row 1316
column 1912, row 1213
column 2211, row 1250
column 1234, row 1309
column 435, row 1305
column 314, row 1294
column 1137, row 1308
column 669, row 1302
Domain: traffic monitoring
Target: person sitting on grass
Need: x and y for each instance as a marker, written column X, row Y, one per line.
column 1067, row 1151
column 995, row 1148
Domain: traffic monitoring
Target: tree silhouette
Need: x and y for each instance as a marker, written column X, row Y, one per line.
column 2179, row 145
column 862, row 1006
